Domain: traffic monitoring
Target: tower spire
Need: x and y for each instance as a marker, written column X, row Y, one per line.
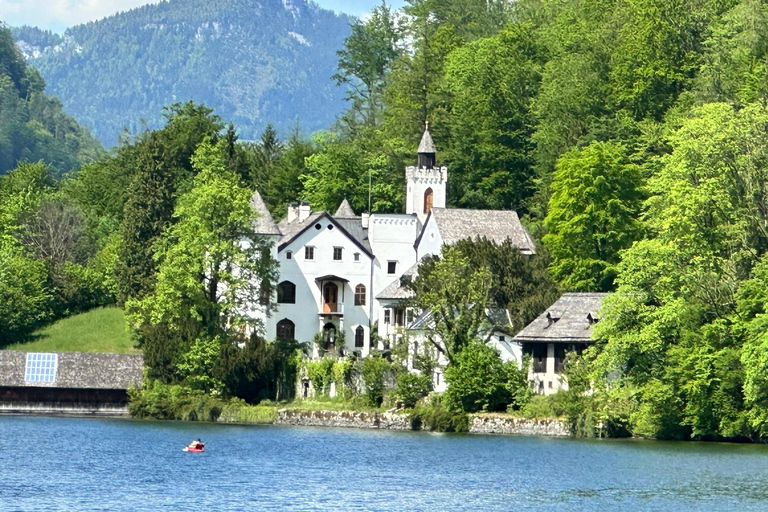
column 427, row 151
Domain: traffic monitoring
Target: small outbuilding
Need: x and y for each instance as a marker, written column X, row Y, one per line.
column 68, row 382
column 565, row 326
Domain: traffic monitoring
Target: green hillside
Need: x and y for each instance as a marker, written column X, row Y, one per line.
column 254, row 62
column 33, row 125
column 98, row 330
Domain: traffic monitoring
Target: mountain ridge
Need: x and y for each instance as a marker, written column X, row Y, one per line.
column 254, row 61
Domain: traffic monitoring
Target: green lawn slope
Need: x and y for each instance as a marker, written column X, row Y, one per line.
column 98, row 330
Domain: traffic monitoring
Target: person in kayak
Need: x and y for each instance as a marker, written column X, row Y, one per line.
column 196, row 445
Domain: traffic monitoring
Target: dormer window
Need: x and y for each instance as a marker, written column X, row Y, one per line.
column 553, row 317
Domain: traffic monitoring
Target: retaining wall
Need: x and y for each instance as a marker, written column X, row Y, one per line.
column 482, row 424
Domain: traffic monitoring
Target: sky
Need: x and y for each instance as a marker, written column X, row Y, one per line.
column 57, row 15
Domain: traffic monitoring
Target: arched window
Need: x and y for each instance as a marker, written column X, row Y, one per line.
column 359, row 336
column 360, row 295
column 429, row 199
column 286, row 330
column 286, row 293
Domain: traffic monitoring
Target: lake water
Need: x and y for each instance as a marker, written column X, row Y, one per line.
column 120, row 465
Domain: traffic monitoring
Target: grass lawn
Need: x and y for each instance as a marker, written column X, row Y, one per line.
column 98, row 330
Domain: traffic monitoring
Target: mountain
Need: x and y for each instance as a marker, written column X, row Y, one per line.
column 253, row 61
column 33, row 125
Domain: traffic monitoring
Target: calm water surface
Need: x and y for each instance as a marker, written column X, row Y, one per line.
column 114, row 465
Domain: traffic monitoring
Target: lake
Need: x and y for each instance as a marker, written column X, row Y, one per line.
column 72, row 464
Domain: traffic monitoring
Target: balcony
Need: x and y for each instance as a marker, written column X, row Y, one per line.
column 327, row 309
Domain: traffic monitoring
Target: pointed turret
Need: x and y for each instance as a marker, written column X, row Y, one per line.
column 264, row 223
column 345, row 211
column 427, row 151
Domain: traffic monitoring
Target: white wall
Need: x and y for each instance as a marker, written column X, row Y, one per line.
column 391, row 237
column 421, row 179
column 301, row 272
column 431, row 242
column 549, row 382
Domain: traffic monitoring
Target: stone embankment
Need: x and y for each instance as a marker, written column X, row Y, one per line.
column 483, row 424
column 494, row 424
column 344, row 419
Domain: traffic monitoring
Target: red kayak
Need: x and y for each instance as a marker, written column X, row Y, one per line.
column 195, row 449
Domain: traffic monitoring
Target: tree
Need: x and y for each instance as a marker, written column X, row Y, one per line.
column 456, row 293
column 24, row 299
column 366, row 60
column 210, row 266
column 593, row 215
column 492, row 82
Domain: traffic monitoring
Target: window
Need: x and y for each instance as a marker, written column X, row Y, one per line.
column 408, row 316
column 41, row 367
column 540, row 358
column 391, row 267
column 357, row 256
column 286, row 293
column 309, row 253
column 360, row 295
column 359, row 336
column 337, row 251
column 429, row 199
column 387, row 316
column 286, row 330
column 289, row 255
column 559, row 358
column 399, row 317
column 502, row 339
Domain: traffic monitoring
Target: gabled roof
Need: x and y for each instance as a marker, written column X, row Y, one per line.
column 496, row 322
column 427, row 145
column 495, row 225
column 397, row 290
column 565, row 321
column 359, row 236
column 345, row 211
column 264, row 223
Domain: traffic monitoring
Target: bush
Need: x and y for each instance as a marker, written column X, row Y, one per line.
column 172, row 402
column 540, row 406
column 320, row 373
column 412, row 387
column 374, row 372
column 479, row 380
column 437, row 418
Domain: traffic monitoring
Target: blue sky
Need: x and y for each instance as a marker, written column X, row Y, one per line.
column 57, row 15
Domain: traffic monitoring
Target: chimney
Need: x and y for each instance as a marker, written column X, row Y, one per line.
column 293, row 212
column 366, row 220
column 304, row 210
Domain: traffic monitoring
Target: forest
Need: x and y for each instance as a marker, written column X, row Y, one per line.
column 631, row 135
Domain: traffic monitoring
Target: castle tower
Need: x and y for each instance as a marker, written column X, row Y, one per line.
column 427, row 183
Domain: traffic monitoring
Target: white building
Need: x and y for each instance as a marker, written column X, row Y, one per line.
column 566, row 326
column 345, row 273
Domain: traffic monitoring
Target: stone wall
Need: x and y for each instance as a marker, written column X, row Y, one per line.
column 481, row 424
column 496, row 424
column 344, row 419
column 78, row 370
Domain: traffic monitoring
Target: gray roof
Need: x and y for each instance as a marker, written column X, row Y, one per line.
column 291, row 230
column 396, row 289
column 353, row 228
column 496, row 322
column 345, row 211
column 77, row 370
column 566, row 321
column 427, row 145
column 264, row 223
column 495, row 225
